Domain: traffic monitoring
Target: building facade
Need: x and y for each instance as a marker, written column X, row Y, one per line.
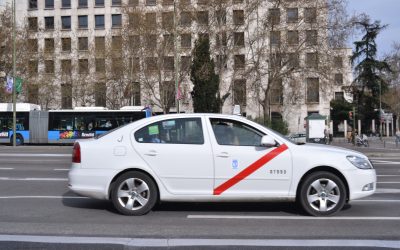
column 273, row 57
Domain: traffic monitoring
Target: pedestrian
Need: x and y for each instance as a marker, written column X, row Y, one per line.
column 326, row 134
column 397, row 136
column 349, row 135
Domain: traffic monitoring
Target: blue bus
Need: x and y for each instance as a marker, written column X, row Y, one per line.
column 62, row 126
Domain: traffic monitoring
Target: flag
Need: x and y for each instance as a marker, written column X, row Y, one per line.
column 9, row 84
column 18, row 85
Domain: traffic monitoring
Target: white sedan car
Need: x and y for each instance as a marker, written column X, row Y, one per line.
column 215, row 158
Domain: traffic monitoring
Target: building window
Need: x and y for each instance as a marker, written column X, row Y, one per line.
column 202, row 17
column 238, row 17
column 49, row 23
column 32, row 23
column 293, row 60
column 83, row 43
column 274, row 16
column 312, row 60
column 276, row 95
column 186, row 18
column 32, row 45
column 133, row 93
column 100, row 65
column 339, row 96
column 66, row 4
column 99, row 3
column 151, row 2
column 116, row 43
column 339, row 79
column 100, row 94
column 116, row 20
column 151, row 42
column 32, row 4
column 292, row 15
column 312, row 90
column 33, row 93
column 310, row 15
column 66, row 44
column 167, row 91
column 33, row 68
column 239, row 61
column 83, row 66
column 151, row 63
column 82, row 22
column 221, row 17
column 49, row 45
column 168, row 63
column 66, row 67
column 99, row 21
column 239, row 92
column 275, row 37
column 116, row 2
column 186, row 61
column 66, row 22
column 49, row 4
column 238, row 38
column 221, row 39
column 134, row 3
column 293, row 37
column 151, row 20
column 49, row 66
column 338, row 62
column 186, row 40
column 134, row 65
column 311, row 37
column 82, row 3
column 66, row 96
column 100, row 44
column 168, row 20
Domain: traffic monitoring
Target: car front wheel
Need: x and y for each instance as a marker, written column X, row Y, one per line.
column 134, row 193
column 322, row 194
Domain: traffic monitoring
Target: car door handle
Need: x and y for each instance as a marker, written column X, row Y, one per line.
column 152, row 153
column 223, row 155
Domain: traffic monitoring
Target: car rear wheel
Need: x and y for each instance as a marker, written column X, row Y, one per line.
column 322, row 194
column 134, row 193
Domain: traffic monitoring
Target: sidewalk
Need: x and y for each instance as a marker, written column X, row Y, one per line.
column 377, row 148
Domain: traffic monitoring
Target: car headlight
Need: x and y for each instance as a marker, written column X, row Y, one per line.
column 359, row 162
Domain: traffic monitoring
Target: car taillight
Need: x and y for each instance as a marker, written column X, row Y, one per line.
column 76, row 153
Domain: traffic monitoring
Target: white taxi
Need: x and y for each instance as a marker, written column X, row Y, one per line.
column 215, row 158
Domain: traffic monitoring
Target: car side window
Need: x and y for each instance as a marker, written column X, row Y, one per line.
column 172, row 131
column 234, row 133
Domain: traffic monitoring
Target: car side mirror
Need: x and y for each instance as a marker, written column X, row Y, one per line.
column 268, row 141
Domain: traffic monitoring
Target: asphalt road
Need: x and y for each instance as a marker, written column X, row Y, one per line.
column 37, row 211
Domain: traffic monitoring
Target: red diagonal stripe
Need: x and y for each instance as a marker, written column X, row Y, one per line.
column 250, row 169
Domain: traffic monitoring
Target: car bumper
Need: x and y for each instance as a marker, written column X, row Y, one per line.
column 362, row 184
column 89, row 182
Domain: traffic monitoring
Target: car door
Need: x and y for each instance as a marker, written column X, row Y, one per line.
column 242, row 166
column 179, row 153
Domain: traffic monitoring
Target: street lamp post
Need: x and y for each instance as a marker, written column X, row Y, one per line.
column 176, row 60
column 14, row 94
column 380, row 110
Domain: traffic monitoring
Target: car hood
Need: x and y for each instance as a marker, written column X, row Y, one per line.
column 332, row 149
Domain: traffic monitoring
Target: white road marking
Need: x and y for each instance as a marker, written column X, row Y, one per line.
column 388, row 201
column 6, row 168
column 389, row 182
column 43, row 197
column 37, row 155
column 387, row 191
column 261, row 217
column 177, row 242
column 32, row 179
column 394, row 175
column 385, row 162
column 67, row 169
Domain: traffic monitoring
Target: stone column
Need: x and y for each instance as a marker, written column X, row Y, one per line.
column 373, row 126
column 359, row 127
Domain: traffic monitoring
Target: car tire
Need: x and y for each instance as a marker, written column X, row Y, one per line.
column 134, row 193
column 322, row 194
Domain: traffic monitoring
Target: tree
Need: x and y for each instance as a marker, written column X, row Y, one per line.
column 391, row 97
column 368, row 84
column 206, row 83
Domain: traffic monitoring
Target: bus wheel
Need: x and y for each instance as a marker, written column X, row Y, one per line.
column 18, row 141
